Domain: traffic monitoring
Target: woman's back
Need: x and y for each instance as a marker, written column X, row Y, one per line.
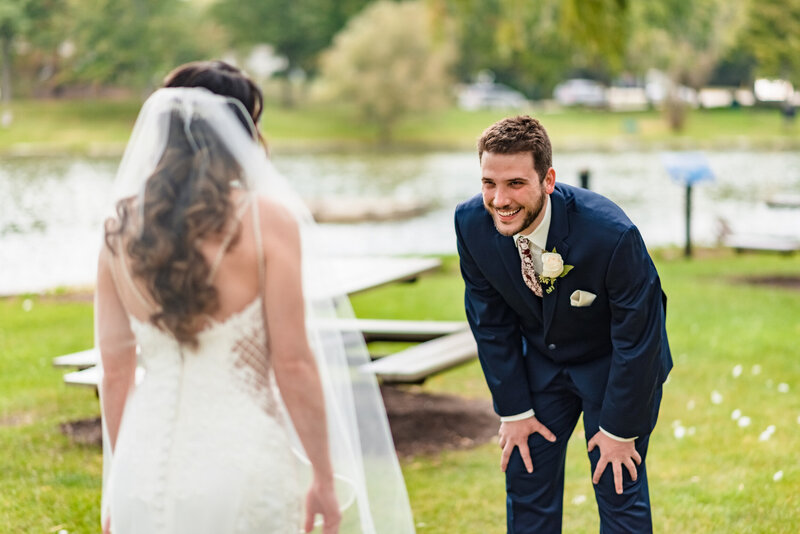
column 203, row 446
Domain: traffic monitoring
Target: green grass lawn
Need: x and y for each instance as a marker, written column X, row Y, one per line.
column 717, row 478
column 103, row 126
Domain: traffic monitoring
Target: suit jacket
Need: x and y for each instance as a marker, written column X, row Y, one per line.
column 615, row 350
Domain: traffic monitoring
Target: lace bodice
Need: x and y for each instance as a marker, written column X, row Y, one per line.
column 236, row 347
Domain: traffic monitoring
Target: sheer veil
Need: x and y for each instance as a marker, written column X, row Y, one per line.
column 369, row 480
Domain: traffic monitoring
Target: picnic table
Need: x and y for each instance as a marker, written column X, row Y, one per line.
column 442, row 344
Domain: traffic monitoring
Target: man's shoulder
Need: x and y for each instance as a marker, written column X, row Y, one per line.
column 593, row 209
column 470, row 206
column 472, row 220
column 471, row 211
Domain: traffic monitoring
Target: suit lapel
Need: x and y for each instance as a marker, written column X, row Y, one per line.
column 510, row 256
column 556, row 238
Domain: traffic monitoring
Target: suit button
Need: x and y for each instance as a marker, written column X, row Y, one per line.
column 551, row 346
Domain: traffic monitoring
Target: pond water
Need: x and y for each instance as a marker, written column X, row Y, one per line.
column 51, row 208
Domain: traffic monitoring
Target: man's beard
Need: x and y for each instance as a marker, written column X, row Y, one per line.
column 530, row 217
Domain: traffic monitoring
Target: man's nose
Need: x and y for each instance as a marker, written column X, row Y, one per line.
column 501, row 197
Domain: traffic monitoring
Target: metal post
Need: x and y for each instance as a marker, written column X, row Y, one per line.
column 584, row 177
column 688, row 250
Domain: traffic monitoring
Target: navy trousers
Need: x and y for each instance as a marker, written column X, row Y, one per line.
column 535, row 501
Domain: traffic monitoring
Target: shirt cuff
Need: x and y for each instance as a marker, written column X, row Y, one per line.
column 612, row 436
column 518, row 417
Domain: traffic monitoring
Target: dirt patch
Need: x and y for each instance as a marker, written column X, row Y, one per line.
column 84, row 431
column 424, row 423
column 421, row 423
column 786, row 282
column 21, row 419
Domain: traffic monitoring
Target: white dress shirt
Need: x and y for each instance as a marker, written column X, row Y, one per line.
column 538, row 237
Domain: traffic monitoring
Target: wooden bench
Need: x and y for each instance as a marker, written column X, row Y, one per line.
column 79, row 360
column 765, row 243
column 90, row 377
column 415, row 364
column 372, row 330
column 399, row 330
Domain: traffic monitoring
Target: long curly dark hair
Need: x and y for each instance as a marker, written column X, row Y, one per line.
column 186, row 198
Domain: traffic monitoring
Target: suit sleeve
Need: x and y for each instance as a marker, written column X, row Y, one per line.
column 638, row 338
column 495, row 327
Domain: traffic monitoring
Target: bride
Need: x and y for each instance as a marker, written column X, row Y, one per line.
column 251, row 397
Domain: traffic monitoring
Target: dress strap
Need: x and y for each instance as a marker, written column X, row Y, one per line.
column 259, row 246
column 226, row 242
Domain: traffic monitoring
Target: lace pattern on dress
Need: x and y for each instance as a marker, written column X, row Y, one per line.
column 253, row 367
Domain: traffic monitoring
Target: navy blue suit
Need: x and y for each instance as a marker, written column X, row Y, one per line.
column 607, row 360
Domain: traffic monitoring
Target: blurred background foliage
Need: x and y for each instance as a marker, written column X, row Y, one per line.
column 80, row 48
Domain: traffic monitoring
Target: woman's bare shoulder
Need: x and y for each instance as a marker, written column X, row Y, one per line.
column 275, row 216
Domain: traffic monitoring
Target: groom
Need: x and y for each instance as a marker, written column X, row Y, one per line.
column 567, row 310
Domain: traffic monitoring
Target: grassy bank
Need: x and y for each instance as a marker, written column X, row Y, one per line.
column 717, row 477
column 102, row 127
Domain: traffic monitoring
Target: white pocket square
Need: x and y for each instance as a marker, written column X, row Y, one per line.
column 580, row 298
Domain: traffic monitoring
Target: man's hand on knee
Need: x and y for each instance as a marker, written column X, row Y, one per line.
column 515, row 434
column 617, row 453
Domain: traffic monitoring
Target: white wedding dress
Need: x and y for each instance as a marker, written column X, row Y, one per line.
column 203, row 445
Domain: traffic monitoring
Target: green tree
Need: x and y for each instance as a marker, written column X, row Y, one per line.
column 601, row 29
column 134, row 42
column 534, row 45
column 519, row 41
column 388, row 62
column 23, row 19
column 772, row 37
column 297, row 29
column 684, row 39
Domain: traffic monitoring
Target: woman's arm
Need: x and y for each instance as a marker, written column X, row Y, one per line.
column 117, row 346
column 293, row 362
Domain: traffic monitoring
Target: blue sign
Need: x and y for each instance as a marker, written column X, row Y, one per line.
column 688, row 168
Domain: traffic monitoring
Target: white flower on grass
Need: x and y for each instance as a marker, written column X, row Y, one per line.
column 756, row 370
column 767, row 433
column 27, row 305
column 716, row 397
column 736, row 414
column 783, row 387
column 744, row 421
column 63, row 531
column 737, row 371
column 579, row 499
column 679, row 432
column 777, row 476
column 690, row 405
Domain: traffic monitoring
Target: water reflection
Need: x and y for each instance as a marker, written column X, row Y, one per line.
column 51, row 209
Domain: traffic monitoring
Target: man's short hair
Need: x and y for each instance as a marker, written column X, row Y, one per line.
column 519, row 134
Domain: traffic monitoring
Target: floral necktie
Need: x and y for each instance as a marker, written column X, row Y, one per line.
column 528, row 272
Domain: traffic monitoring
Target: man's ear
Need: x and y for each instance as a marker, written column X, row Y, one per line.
column 549, row 180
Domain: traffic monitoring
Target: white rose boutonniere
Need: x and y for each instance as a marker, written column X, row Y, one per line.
column 552, row 267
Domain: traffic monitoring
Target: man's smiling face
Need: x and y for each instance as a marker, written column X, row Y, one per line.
column 513, row 192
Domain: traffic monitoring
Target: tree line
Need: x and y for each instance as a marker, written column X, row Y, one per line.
column 50, row 47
